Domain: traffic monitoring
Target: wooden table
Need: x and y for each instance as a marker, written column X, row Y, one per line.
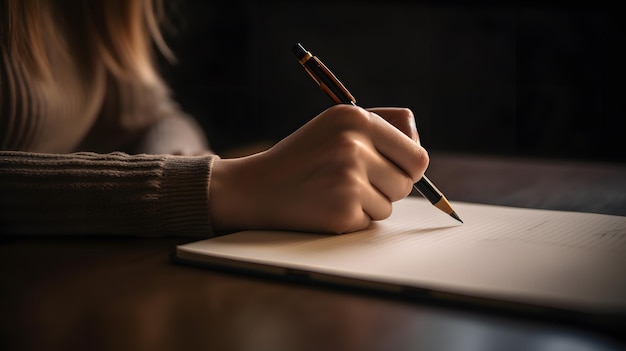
column 100, row 293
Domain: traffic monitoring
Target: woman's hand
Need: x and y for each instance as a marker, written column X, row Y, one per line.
column 335, row 174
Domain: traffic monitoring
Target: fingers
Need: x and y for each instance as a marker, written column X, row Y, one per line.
column 337, row 173
column 394, row 161
column 358, row 207
column 366, row 182
column 388, row 179
column 399, row 117
column 388, row 140
column 376, row 205
column 404, row 152
column 367, row 177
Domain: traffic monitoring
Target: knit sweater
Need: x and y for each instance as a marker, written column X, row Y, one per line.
column 87, row 152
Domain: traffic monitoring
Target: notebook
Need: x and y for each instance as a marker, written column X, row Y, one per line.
column 566, row 261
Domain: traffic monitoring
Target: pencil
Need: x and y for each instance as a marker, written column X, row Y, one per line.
column 329, row 83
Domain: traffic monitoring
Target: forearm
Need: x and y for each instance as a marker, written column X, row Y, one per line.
column 119, row 194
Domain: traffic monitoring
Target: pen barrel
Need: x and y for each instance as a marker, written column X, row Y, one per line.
column 428, row 190
column 328, row 82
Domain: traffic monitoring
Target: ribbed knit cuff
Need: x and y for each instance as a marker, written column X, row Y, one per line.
column 185, row 201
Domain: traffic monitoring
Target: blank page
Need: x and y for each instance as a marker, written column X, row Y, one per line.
column 557, row 259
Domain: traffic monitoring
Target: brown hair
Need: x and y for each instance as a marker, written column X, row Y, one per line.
column 120, row 33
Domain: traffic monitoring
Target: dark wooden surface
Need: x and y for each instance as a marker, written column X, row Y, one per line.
column 535, row 183
column 126, row 294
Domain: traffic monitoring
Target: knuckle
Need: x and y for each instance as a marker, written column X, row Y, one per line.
column 402, row 190
column 349, row 117
column 406, row 113
column 384, row 212
column 348, row 148
column 344, row 170
column 347, row 218
column 345, row 212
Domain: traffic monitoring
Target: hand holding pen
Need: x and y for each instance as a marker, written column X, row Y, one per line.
column 329, row 83
column 337, row 173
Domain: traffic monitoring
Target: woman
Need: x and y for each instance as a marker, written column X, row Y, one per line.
column 92, row 143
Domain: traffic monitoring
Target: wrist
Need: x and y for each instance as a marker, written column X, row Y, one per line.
column 231, row 194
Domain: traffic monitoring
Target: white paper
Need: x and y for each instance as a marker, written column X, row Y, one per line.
column 558, row 259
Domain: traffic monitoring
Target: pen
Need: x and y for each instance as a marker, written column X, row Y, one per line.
column 340, row 95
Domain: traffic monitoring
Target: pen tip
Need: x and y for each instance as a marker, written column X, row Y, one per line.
column 299, row 50
column 455, row 216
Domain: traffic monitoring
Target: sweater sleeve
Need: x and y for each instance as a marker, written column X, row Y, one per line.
column 110, row 194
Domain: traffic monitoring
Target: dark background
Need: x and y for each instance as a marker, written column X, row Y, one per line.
column 524, row 78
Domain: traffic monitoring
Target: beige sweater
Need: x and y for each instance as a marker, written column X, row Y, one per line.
column 89, row 153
